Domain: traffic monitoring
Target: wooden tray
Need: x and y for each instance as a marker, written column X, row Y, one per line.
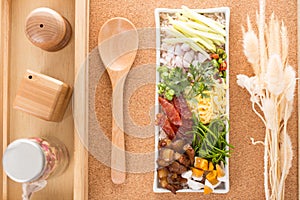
column 17, row 55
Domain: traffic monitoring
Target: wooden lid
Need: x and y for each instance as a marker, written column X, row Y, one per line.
column 47, row 29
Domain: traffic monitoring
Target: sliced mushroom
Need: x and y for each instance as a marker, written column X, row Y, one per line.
column 166, row 142
column 191, row 153
column 167, row 154
column 177, row 156
column 162, row 162
column 178, row 145
column 184, row 160
column 162, row 173
column 177, row 168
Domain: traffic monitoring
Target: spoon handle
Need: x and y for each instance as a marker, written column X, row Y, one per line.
column 118, row 166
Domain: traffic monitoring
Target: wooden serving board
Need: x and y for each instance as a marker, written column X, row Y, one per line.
column 17, row 55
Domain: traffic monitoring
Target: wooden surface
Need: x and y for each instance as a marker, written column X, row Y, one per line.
column 5, row 40
column 246, row 163
column 42, row 96
column 48, row 29
column 17, row 56
column 1, row 106
column 81, row 62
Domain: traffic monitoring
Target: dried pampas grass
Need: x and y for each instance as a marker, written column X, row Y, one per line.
column 269, row 110
column 290, row 82
column 284, row 44
column 274, row 77
column 251, row 50
column 272, row 91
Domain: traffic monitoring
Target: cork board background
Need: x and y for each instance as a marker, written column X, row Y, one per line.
column 246, row 163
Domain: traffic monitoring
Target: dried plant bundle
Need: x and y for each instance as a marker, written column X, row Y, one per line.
column 272, row 91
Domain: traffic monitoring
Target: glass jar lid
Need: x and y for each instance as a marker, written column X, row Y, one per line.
column 24, row 161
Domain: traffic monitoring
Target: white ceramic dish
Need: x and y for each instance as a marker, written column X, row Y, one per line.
column 224, row 187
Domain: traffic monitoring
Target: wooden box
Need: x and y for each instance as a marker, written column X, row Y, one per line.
column 42, row 96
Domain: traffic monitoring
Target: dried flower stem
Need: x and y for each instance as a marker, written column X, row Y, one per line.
column 272, row 91
column 261, row 30
column 266, row 152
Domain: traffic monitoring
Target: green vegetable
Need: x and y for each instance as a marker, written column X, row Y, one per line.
column 209, row 141
column 161, row 88
column 162, row 69
column 224, row 56
column 224, row 74
column 173, row 82
column 219, row 62
column 197, row 79
column 220, row 51
column 201, row 75
column 215, row 63
column 171, row 92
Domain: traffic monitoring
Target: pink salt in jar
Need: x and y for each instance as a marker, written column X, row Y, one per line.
column 34, row 159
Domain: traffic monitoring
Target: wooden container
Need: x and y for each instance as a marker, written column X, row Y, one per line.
column 42, row 96
column 47, row 29
column 18, row 54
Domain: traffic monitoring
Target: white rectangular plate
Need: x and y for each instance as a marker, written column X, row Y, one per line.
column 223, row 188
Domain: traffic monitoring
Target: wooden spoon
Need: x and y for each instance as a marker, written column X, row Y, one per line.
column 117, row 45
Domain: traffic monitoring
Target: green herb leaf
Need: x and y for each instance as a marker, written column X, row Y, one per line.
column 209, row 141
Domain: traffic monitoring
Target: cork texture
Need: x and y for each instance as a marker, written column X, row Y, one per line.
column 246, row 163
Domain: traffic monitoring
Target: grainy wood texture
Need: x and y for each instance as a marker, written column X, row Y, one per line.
column 47, row 29
column 1, row 96
column 5, row 39
column 42, row 96
column 81, row 66
column 17, row 55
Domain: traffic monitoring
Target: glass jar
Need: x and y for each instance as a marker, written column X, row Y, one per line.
column 34, row 159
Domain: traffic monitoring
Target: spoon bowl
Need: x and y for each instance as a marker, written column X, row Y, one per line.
column 117, row 45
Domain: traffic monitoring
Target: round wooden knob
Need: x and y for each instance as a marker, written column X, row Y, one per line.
column 47, row 29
